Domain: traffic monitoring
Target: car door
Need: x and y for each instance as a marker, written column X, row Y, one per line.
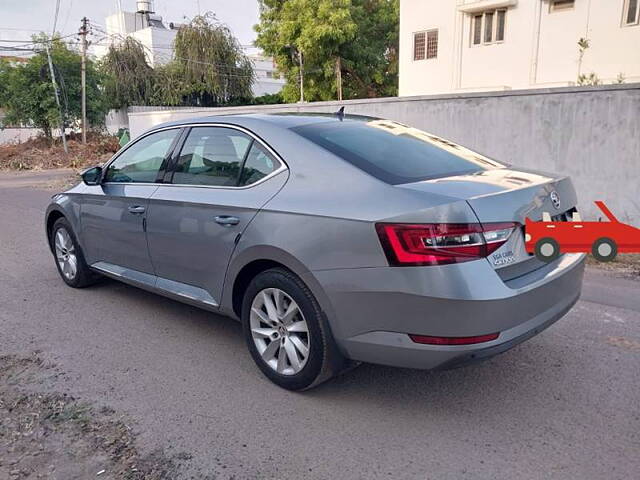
column 113, row 214
column 220, row 179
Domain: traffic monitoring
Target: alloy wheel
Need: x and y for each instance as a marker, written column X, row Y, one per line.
column 279, row 331
column 66, row 254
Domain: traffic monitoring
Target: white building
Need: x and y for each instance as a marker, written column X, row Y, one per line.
column 157, row 38
column 147, row 28
column 474, row 45
column 267, row 79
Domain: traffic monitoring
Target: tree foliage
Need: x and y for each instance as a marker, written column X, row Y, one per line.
column 5, row 70
column 27, row 94
column 360, row 37
column 209, row 69
column 211, row 63
column 128, row 78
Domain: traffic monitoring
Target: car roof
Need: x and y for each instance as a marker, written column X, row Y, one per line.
column 284, row 120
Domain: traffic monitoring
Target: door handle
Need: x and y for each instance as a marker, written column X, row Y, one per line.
column 226, row 220
column 137, row 210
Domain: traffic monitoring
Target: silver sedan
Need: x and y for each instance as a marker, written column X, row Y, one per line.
column 333, row 239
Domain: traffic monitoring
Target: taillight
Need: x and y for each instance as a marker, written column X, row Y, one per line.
column 441, row 243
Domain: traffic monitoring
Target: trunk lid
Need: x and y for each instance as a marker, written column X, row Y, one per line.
column 508, row 195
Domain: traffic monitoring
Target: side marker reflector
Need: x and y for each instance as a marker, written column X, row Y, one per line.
column 428, row 340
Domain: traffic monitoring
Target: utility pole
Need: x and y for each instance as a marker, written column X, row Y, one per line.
column 301, row 76
column 55, row 90
column 83, row 33
column 339, row 77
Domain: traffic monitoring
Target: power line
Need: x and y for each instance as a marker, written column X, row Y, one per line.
column 169, row 57
column 25, row 43
column 20, row 29
column 15, row 41
column 164, row 56
column 66, row 20
column 55, row 18
column 24, row 54
column 16, row 49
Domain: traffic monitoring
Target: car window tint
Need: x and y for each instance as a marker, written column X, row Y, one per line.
column 258, row 165
column 211, row 156
column 395, row 153
column 141, row 162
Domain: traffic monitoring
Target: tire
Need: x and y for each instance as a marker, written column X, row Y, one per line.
column 547, row 249
column 64, row 245
column 271, row 349
column 604, row 249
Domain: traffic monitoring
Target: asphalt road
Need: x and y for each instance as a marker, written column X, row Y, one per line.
column 563, row 405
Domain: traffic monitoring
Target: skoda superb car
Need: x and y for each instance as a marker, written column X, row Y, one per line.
column 333, row 239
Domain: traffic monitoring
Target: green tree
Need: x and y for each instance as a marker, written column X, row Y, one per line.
column 209, row 69
column 168, row 86
column 358, row 38
column 5, row 70
column 128, row 78
column 210, row 63
column 28, row 97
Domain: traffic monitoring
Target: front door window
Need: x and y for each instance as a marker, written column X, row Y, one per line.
column 141, row 162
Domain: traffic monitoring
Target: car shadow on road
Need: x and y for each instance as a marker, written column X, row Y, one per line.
column 509, row 381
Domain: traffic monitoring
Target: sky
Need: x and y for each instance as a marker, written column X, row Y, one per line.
column 19, row 19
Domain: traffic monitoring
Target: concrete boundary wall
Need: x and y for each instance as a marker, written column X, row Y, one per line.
column 589, row 133
column 18, row 135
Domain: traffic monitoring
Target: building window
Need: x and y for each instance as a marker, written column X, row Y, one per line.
column 488, row 27
column 558, row 5
column 419, row 45
column 425, row 45
column 432, row 44
column 477, row 30
column 631, row 12
column 502, row 14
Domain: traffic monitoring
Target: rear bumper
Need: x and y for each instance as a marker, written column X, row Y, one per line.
column 374, row 317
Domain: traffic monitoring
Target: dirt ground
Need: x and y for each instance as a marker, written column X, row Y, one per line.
column 44, row 434
column 626, row 265
column 39, row 154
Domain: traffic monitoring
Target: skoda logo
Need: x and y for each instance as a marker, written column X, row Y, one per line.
column 555, row 199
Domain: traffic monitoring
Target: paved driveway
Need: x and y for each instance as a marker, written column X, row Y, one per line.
column 563, row 405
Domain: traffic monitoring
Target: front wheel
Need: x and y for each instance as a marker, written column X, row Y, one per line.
column 69, row 258
column 604, row 250
column 285, row 331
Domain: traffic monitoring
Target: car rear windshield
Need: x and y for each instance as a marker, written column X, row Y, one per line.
column 395, row 153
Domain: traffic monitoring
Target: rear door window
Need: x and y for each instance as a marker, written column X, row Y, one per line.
column 212, row 156
column 395, row 153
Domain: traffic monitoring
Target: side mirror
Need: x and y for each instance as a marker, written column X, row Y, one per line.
column 92, row 176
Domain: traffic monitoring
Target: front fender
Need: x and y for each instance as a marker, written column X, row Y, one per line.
column 65, row 205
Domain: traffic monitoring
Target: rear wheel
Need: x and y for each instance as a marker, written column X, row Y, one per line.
column 72, row 267
column 285, row 331
column 547, row 249
column 604, row 249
